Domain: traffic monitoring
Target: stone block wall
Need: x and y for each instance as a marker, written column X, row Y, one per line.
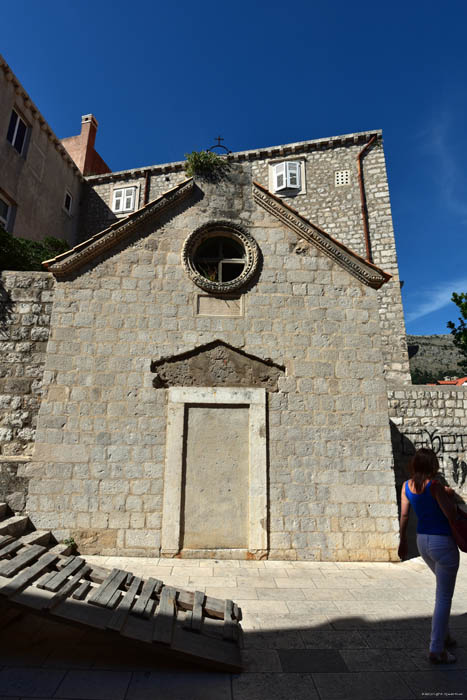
column 25, row 307
column 336, row 209
column 434, row 417
column 98, row 468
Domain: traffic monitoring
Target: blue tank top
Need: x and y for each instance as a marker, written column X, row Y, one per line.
column 430, row 518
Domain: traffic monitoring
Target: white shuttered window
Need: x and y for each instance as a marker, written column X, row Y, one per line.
column 124, row 200
column 287, row 176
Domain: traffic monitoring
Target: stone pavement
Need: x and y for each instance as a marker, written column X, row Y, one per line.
column 312, row 631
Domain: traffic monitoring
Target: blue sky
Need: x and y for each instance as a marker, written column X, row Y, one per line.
column 166, row 78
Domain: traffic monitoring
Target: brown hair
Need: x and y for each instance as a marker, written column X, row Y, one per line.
column 423, row 465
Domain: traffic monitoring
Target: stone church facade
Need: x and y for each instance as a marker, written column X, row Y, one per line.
column 185, row 414
column 219, row 360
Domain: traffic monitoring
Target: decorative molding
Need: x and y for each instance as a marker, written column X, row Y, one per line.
column 210, row 230
column 364, row 271
column 85, row 252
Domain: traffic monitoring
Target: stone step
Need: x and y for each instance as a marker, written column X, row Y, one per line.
column 3, row 510
column 14, row 526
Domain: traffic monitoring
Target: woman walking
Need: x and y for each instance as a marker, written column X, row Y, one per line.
column 434, row 509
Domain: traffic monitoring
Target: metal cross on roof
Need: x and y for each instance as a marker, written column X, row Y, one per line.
column 219, row 145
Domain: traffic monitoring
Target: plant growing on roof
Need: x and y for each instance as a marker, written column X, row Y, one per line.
column 206, row 165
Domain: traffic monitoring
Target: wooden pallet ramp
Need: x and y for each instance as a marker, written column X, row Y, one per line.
column 41, row 576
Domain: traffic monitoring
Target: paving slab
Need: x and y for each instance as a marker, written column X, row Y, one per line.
column 314, row 630
column 179, row 686
column 30, row 682
column 369, row 685
column 94, row 685
column 274, row 686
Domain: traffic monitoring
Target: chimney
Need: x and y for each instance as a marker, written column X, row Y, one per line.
column 88, row 139
column 81, row 148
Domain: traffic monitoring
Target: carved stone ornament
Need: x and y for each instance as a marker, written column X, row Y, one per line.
column 366, row 272
column 221, row 230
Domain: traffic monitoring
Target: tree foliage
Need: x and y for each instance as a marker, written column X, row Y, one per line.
column 459, row 332
column 422, row 376
column 23, row 254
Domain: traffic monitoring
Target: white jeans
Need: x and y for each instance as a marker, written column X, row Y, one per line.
column 441, row 554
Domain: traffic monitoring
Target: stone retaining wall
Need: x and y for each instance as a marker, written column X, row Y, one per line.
column 25, row 308
column 434, row 417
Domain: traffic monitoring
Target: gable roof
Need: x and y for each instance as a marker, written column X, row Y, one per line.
column 84, row 252
column 362, row 269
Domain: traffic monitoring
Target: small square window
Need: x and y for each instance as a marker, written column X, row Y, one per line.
column 17, row 132
column 124, row 200
column 341, row 177
column 68, row 203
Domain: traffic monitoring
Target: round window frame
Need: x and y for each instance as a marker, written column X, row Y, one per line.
column 221, row 229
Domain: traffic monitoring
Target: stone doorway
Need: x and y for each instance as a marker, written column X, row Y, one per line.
column 215, row 485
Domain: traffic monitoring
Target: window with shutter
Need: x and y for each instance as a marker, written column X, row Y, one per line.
column 287, row 177
column 280, row 177
column 124, row 200
column 293, row 175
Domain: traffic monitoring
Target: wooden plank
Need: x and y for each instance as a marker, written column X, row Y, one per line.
column 194, row 617
column 149, row 587
column 82, row 591
column 10, row 548
column 164, row 617
column 120, row 614
column 15, row 525
column 214, row 607
column 138, row 628
column 24, row 578
column 216, row 653
column 59, row 578
column 230, row 630
column 106, row 591
column 77, row 611
column 11, row 545
column 70, row 586
column 197, row 619
column 5, row 539
column 33, row 598
column 20, row 561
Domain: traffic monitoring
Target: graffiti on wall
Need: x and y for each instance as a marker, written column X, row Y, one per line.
column 450, row 448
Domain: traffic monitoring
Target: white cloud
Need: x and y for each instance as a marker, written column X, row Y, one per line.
column 448, row 167
column 435, row 298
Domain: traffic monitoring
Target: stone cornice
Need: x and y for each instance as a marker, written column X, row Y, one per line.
column 10, row 77
column 357, row 266
column 85, row 252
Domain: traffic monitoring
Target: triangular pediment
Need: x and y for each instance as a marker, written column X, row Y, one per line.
column 85, row 252
column 216, row 364
column 362, row 269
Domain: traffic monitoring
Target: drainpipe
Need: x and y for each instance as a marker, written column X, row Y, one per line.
column 147, row 182
column 366, row 233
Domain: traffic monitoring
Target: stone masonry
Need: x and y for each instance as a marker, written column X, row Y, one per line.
column 25, row 307
column 336, row 209
column 98, row 468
